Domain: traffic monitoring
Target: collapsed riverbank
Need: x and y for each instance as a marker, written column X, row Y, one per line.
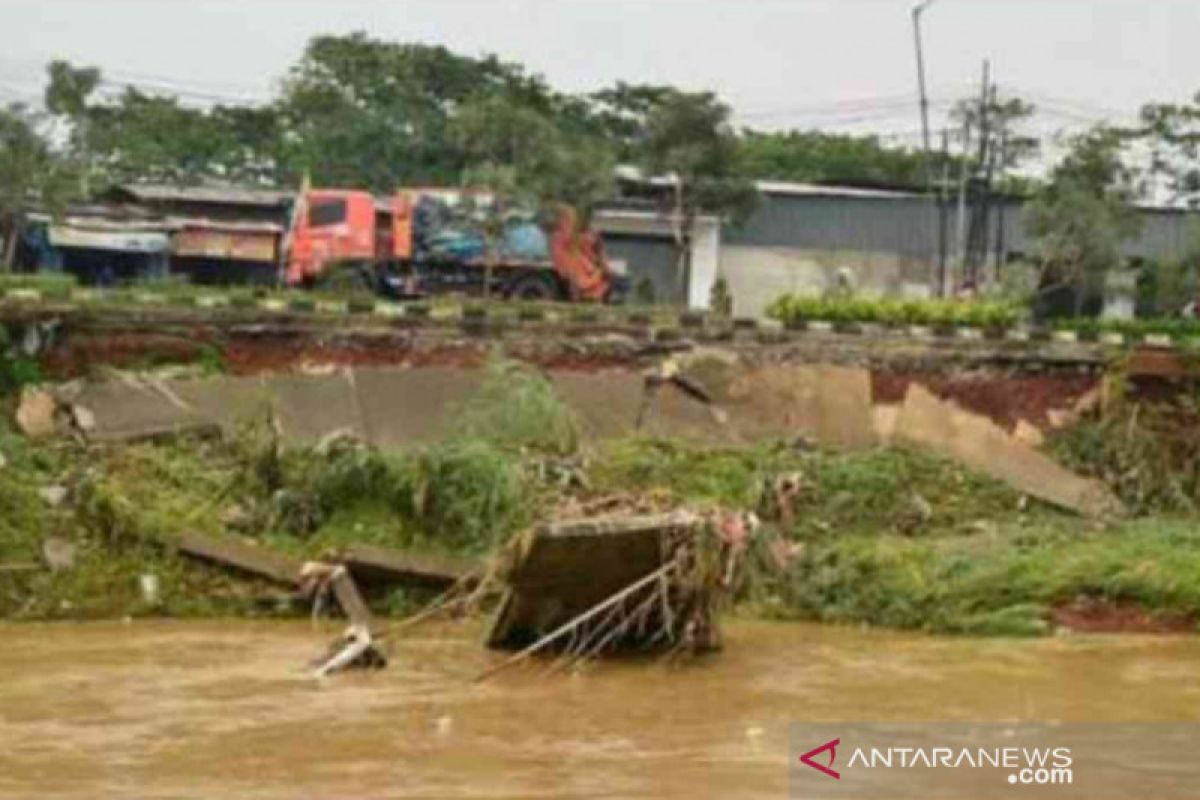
column 884, row 536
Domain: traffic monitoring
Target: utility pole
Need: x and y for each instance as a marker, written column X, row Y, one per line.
column 917, row 11
column 981, row 183
column 943, row 209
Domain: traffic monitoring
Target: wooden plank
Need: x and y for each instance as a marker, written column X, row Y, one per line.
column 242, row 557
column 377, row 565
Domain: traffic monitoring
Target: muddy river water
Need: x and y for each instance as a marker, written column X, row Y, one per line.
column 207, row 709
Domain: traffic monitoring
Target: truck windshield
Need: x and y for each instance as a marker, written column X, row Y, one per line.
column 327, row 212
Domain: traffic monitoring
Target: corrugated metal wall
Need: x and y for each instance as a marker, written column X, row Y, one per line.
column 903, row 225
column 647, row 257
column 909, row 227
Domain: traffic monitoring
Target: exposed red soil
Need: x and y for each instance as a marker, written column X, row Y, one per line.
column 1003, row 398
column 121, row 350
column 252, row 358
column 1100, row 616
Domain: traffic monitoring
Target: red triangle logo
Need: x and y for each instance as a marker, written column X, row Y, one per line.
column 832, row 746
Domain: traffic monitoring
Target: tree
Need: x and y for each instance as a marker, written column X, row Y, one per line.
column 816, row 157
column 31, row 175
column 1173, row 132
column 527, row 162
column 994, row 142
column 688, row 138
column 67, row 95
column 364, row 112
column 1080, row 219
column 141, row 136
column 619, row 114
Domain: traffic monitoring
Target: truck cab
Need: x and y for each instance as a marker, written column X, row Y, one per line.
column 330, row 226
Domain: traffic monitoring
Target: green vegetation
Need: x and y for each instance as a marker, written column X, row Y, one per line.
column 793, row 310
column 1147, row 451
column 903, row 539
column 1178, row 329
column 1003, row 579
column 891, row 537
column 16, row 368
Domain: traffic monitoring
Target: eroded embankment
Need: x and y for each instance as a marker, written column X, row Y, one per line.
column 880, row 530
column 1005, row 380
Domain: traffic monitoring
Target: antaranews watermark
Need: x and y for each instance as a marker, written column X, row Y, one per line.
column 980, row 761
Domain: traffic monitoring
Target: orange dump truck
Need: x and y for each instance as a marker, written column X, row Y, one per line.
column 430, row 241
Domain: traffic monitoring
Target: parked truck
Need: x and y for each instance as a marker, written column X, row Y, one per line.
column 424, row 242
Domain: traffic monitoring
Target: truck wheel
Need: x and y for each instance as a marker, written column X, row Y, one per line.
column 350, row 279
column 536, row 287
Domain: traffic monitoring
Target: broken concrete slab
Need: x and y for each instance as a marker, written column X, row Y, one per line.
column 310, row 406
column 35, row 413
column 401, row 407
column 670, row 410
column 1029, row 434
column 226, row 401
column 831, row 404
column 606, row 402
column 129, row 409
column 558, row 570
column 979, row 443
column 372, row 565
column 883, row 419
column 242, row 557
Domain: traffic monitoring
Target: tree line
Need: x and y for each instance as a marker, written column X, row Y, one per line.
column 355, row 111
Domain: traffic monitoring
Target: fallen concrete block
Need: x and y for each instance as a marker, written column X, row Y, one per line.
column 35, row 413
column 246, row 558
column 380, row 566
column 559, row 570
column 979, row 443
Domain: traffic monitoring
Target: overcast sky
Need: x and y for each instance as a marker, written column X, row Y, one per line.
column 833, row 64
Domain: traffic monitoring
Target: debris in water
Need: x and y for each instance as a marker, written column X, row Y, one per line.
column 644, row 583
column 356, row 646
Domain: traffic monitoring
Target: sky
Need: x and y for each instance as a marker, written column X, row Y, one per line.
column 826, row 64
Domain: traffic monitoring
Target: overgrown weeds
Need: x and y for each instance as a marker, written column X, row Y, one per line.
column 1147, row 451
column 1002, row 580
column 874, row 491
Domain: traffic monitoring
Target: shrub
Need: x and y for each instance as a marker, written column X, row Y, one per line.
column 793, row 309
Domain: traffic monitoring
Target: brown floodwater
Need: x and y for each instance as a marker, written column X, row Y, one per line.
column 227, row 709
